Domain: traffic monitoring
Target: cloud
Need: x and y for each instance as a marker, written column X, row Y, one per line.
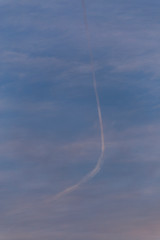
column 122, row 45
column 49, row 135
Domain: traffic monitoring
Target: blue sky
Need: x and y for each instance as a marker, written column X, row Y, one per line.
column 49, row 129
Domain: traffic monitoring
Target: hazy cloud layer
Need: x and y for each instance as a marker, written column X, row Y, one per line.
column 49, row 131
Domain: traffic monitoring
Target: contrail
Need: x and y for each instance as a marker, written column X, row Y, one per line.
column 98, row 166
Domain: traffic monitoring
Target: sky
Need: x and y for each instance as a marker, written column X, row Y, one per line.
column 49, row 129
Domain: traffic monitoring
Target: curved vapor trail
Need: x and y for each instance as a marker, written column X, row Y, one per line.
column 97, row 168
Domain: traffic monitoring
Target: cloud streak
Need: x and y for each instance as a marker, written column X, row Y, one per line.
column 98, row 166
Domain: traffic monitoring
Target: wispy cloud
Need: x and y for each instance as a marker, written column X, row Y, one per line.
column 49, row 133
